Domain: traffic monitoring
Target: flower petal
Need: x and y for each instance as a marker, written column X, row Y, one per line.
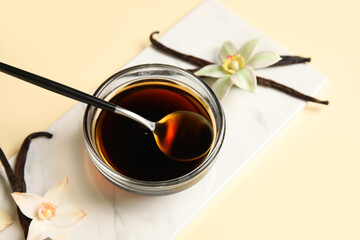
column 248, row 48
column 28, row 203
column 58, row 193
column 228, row 48
column 39, row 229
column 263, row 59
column 222, row 86
column 59, row 233
column 67, row 215
column 245, row 79
column 5, row 220
column 211, row 71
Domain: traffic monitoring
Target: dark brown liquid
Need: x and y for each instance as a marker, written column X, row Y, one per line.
column 131, row 148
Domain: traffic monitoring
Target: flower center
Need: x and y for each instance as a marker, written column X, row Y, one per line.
column 47, row 210
column 233, row 63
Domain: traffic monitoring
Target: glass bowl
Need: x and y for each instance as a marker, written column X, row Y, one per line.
column 178, row 78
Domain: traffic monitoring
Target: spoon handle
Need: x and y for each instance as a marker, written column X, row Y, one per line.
column 56, row 87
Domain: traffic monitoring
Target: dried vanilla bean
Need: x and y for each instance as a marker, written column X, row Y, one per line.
column 17, row 178
column 187, row 58
column 289, row 60
column 19, row 172
column 21, row 157
column 286, row 60
column 282, row 88
column 14, row 183
column 15, row 186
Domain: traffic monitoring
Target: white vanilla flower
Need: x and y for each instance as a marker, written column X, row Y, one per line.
column 237, row 67
column 51, row 215
column 5, row 220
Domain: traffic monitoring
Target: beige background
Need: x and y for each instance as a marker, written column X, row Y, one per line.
column 303, row 185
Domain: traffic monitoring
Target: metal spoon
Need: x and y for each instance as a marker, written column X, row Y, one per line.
column 180, row 135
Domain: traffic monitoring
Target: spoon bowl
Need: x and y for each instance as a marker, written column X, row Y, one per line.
column 183, row 135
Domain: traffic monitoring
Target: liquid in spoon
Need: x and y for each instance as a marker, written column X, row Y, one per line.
column 184, row 135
